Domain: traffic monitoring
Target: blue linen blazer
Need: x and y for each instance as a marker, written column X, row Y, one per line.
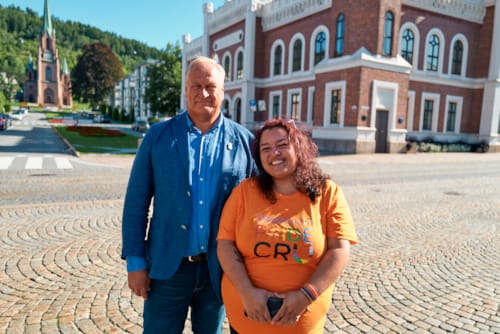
column 160, row 175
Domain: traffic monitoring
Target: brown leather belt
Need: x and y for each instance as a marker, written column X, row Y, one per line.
column 195, row 258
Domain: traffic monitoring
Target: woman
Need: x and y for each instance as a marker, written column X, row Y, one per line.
column 285, row 233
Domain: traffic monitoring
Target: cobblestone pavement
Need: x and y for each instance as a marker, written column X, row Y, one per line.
column 428, row 259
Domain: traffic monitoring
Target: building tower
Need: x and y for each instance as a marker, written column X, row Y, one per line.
column 47, row 84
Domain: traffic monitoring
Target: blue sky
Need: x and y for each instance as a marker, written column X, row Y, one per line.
column 154, row 22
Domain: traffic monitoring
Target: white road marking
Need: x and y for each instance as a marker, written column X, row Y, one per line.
column 5, row 162
column 34, row 163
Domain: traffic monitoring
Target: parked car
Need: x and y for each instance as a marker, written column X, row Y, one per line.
column 17, row 114
column 105, row 119
column 5, row 121
column 140, row 125
column 100, row 118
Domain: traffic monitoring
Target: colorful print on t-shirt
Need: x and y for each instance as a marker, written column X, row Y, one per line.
column 281, row 238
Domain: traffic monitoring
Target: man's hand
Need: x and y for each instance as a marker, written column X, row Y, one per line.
column 138, row 282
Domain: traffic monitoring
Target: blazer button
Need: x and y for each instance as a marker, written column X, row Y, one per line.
column 188, row 193
column 184, row 227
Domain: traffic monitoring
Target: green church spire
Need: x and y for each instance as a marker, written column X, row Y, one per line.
column 47, row 22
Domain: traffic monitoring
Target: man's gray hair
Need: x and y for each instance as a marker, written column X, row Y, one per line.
column 203, row 59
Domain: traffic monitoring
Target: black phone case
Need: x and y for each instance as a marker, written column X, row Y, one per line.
column 273, row 305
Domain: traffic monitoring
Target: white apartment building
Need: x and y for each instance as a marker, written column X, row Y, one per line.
column 129, row 92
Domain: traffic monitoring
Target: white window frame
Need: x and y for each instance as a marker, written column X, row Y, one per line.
column 442, row 43
column 459, row 100
column 435, row 111
column 411, row 110
column 465, row 44
column 310, row 104
column 228, row 54
column 289, row 103
column 295, row 37
column 416, row 41
column 312, row 48
column 277, row 43
column 272, row 94
column 240, row 49
column 329, row 87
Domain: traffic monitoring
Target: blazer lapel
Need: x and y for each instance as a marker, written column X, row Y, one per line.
column 181, row 143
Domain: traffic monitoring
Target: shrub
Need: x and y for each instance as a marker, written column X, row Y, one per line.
column 94, row 131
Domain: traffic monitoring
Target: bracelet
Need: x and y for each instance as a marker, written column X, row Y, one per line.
column 312, row 290
column 307, row 294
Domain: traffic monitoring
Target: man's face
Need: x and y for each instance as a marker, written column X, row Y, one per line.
column 204, row 91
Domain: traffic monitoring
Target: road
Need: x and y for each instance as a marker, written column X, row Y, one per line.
column 32, row 144
column 427, row 261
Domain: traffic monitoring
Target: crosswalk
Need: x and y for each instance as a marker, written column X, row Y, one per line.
column 35, row 162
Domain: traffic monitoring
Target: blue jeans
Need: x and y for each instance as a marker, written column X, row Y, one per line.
column 166, row 308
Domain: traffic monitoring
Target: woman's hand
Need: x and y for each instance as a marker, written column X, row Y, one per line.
column 295, row 303
column 255, row 304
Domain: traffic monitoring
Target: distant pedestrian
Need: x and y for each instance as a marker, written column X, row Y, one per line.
column 186, row 168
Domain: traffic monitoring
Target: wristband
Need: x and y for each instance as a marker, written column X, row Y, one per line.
column 307, row 294
column 312, row 290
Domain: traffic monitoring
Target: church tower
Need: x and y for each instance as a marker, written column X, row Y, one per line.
column 48, row 84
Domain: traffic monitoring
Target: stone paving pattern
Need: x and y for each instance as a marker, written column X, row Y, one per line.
column 428, row 259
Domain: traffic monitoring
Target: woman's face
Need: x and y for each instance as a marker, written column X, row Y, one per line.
column 277, row 154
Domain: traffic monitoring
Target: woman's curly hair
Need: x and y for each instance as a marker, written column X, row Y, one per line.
column 309, row 178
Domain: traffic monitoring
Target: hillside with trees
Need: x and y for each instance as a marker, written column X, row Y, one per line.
column 20, row 35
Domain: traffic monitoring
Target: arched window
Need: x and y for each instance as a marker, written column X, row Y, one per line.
column 339, row 36
column 297, row 56
column 456, row 62
column 278, row 60
column 433, row 53
column 239, row 66
column 48, row 74
column 237, row 110
column 407, row 45
column 225, row 109
column 388, row 33
column 320, row 47
column 227, row 67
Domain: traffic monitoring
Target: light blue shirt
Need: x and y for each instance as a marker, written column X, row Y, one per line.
column 205, row 161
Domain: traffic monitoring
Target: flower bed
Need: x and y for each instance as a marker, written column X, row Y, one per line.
column 95, row 131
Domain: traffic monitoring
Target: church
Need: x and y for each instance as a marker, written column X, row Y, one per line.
column 360, row 76
column 47, row 83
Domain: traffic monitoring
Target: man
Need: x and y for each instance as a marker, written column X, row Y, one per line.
column 188, row 167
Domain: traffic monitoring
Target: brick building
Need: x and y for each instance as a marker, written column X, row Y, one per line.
column 47, row 84
column 361, row 75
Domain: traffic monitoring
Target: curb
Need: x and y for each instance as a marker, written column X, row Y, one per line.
column 67, row 143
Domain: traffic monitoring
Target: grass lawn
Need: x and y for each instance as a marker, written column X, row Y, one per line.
column 97, row 139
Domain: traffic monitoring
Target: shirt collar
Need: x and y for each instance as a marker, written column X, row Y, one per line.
column 217, row 125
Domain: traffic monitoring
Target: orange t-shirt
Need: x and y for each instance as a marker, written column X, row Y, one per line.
column 281, row 245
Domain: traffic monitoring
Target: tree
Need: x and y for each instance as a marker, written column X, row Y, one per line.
column 164, row 82
column 95, row 74
column 11, row 73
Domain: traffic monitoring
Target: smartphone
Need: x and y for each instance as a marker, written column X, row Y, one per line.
column 273, row 305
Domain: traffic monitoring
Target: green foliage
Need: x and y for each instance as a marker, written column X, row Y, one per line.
column 164, row 82
column 3, row 102
column 95, row 74
column 20, row 36
column 116, row 113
